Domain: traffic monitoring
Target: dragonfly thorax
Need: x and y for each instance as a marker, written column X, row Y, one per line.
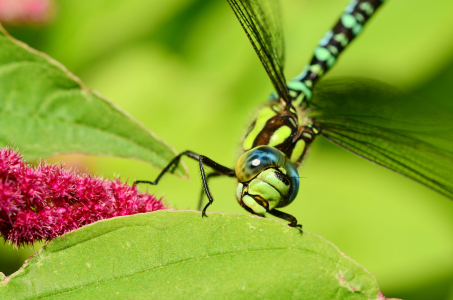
column 282, row 129
column 267, row 179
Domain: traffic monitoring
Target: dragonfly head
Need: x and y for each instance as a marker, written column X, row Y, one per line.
column 267, row 180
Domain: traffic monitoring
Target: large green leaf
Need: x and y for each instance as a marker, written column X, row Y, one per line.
column 46, row 110
column 179, row 255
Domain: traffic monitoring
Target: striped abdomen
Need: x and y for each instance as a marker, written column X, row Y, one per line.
column 330, row 47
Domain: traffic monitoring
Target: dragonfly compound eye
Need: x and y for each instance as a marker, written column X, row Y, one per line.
column 267, row 179
column 252, row 162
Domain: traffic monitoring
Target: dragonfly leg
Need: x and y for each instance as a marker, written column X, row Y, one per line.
column 291, row 219
column 173, row 163
column 203, row 160
column 221, row 170
column 209, row 176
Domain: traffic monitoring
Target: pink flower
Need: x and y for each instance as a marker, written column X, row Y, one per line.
column 25, row 11
column 43, row 202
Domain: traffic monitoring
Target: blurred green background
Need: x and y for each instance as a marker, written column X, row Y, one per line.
column 186, row 70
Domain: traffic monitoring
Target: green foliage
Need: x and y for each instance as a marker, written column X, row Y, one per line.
column 45, row 110
column 176, row 255
column 185, row 69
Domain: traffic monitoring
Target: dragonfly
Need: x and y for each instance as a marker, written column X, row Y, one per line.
column 367, row 117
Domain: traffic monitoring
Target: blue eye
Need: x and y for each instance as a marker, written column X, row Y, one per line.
column 252, row 162
column 267, row 179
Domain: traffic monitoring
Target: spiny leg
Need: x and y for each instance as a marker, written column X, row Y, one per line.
column 203, row 160
column 222, row 170
column 209, row 176
column 291, row 219
column 174, row 162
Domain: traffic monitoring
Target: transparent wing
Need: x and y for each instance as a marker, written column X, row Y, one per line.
column 405, row 133
column 262, row 23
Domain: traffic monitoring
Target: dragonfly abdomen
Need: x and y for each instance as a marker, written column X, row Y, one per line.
column 350, row 25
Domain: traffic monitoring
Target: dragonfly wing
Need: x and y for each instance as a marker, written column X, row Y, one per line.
column 261, row 21
column 403, row 132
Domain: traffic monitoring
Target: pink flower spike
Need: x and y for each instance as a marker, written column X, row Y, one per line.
column 26, row 11
column 43, row 202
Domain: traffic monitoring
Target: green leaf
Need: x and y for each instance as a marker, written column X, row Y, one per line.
column 179, row 255
column 46, row 110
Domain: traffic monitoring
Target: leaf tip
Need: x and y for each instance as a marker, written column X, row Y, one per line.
column 3, row 278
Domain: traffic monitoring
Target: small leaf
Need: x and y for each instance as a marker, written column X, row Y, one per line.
column 45, row 110
column 179, row 255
